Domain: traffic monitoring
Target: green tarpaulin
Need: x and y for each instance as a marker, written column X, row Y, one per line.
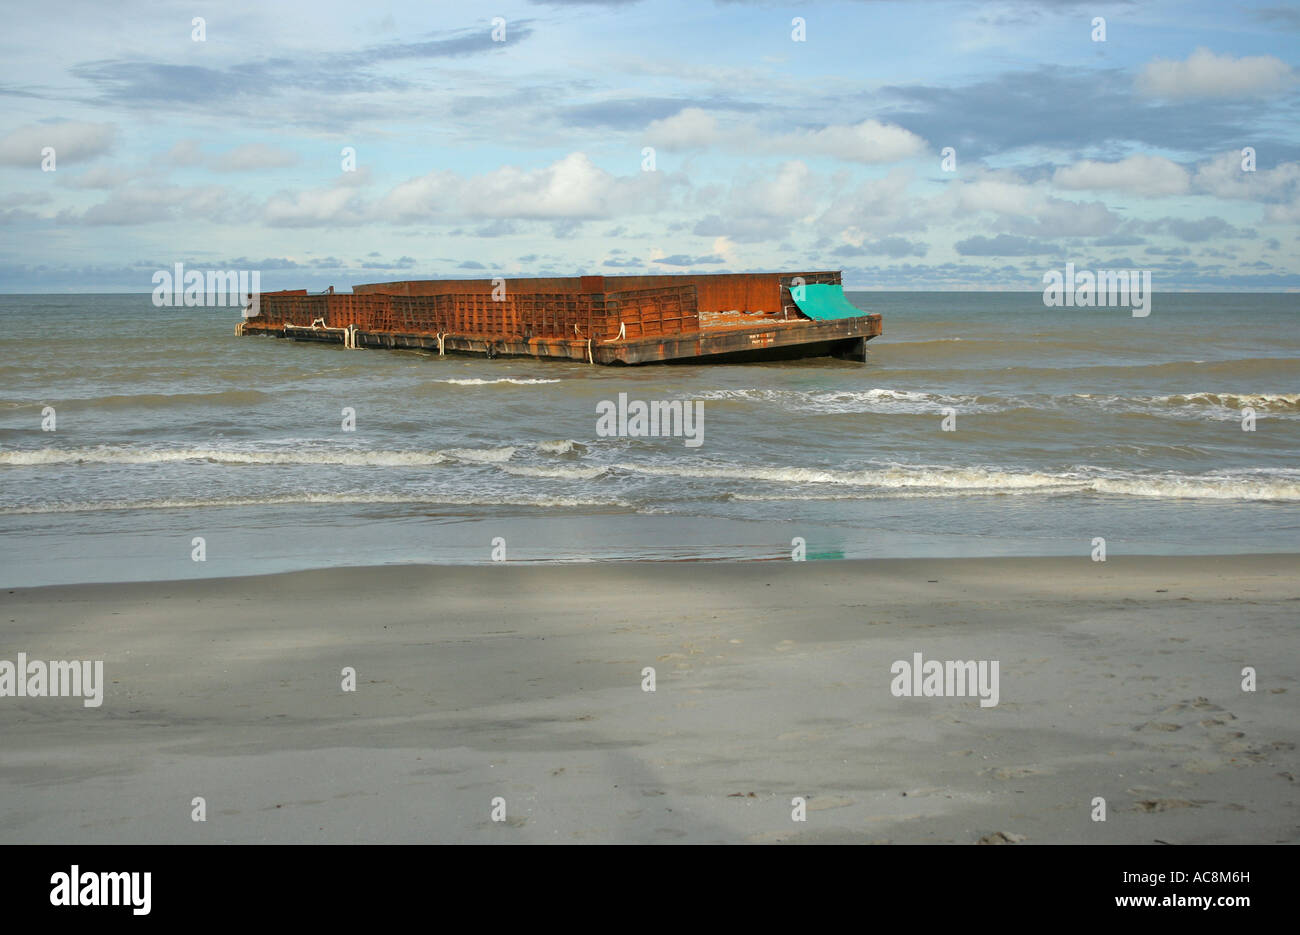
column 825, row 303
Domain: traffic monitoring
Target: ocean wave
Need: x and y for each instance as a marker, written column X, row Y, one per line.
column 800, row 482
column 481, row 455
column 877, row 399
column 562, row 473
column 108, row 454
column 883, row 400
column 305, row 498
column 1267, row 402
column 474, row 381
column 1002, row 346
column 239, row 397
column 105, row 454
column 945, row 480
column 1200, row 405
column 923, row 341
column 561, row 447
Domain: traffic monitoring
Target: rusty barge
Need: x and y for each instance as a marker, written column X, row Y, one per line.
column 594, row 319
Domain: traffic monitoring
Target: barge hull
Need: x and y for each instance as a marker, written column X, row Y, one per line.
column 598, row 320
column 847, row 340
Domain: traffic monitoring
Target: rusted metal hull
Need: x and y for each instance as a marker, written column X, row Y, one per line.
column 600, row 320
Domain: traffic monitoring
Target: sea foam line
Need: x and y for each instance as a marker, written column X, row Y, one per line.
column 475, row 381
column 108, row 455
column 303, row 498
column 992, row 481
column 105, row 454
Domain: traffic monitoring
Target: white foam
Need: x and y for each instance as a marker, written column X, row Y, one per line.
column 563, row 473
column 946, row 480
column 473, row 381
column 1201, row 404
column 560, row 447
column 876, row 400
column 482, row 455
column 311, row 498
column 1265, row 401
column 105, row 454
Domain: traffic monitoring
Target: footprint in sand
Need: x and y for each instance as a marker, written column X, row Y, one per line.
column 1219, row 721
column 1002, row 837
column 827, row 801
column 923, row 793
column 1013, row 772
column 1164, row 805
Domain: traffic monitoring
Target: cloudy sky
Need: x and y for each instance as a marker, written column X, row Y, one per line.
column 476, row 157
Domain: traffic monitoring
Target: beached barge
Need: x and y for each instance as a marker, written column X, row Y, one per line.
column 595, row 319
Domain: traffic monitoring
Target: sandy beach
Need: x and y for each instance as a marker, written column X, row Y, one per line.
column 1120, row 680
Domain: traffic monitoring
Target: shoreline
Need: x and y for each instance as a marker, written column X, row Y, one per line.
column 1119, row 680
column 783, row 558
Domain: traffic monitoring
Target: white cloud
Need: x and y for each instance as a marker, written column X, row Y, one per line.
column 185, row 153
column 873, row 208
column 318, row 207
column 759, row 205
column 1141, row 175
column 102, row 177
column 870, row 142
column 691, row 128
column 1284, row 213
column 144, row 204
column 990, row 193
column 1058, row 217
column 252, row 156
column 571, row 189
column 422, row 198
column 1205, row 74
column 790, row 192
column 1021, row 208
column 356, row 178
column 1223, row 177
column 72, row 142
column 723, row 247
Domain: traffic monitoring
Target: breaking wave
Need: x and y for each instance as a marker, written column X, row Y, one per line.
column 1271, row 402
column 562, row 473
column 310, row 498
column 105, row 454
column 878, row 399
column 481, row 455
column 914, row 402
column 939, row 481
column 474, row 381
column 561, row 447
column 110, row 454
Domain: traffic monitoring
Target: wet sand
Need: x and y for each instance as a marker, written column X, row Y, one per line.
column 1120, row 680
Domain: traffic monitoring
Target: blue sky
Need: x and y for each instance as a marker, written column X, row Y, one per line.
column 478, row 158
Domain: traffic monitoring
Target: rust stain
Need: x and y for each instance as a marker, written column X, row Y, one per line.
column 603, row 319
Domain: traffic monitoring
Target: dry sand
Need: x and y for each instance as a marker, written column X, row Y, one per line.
column 1120, row 680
